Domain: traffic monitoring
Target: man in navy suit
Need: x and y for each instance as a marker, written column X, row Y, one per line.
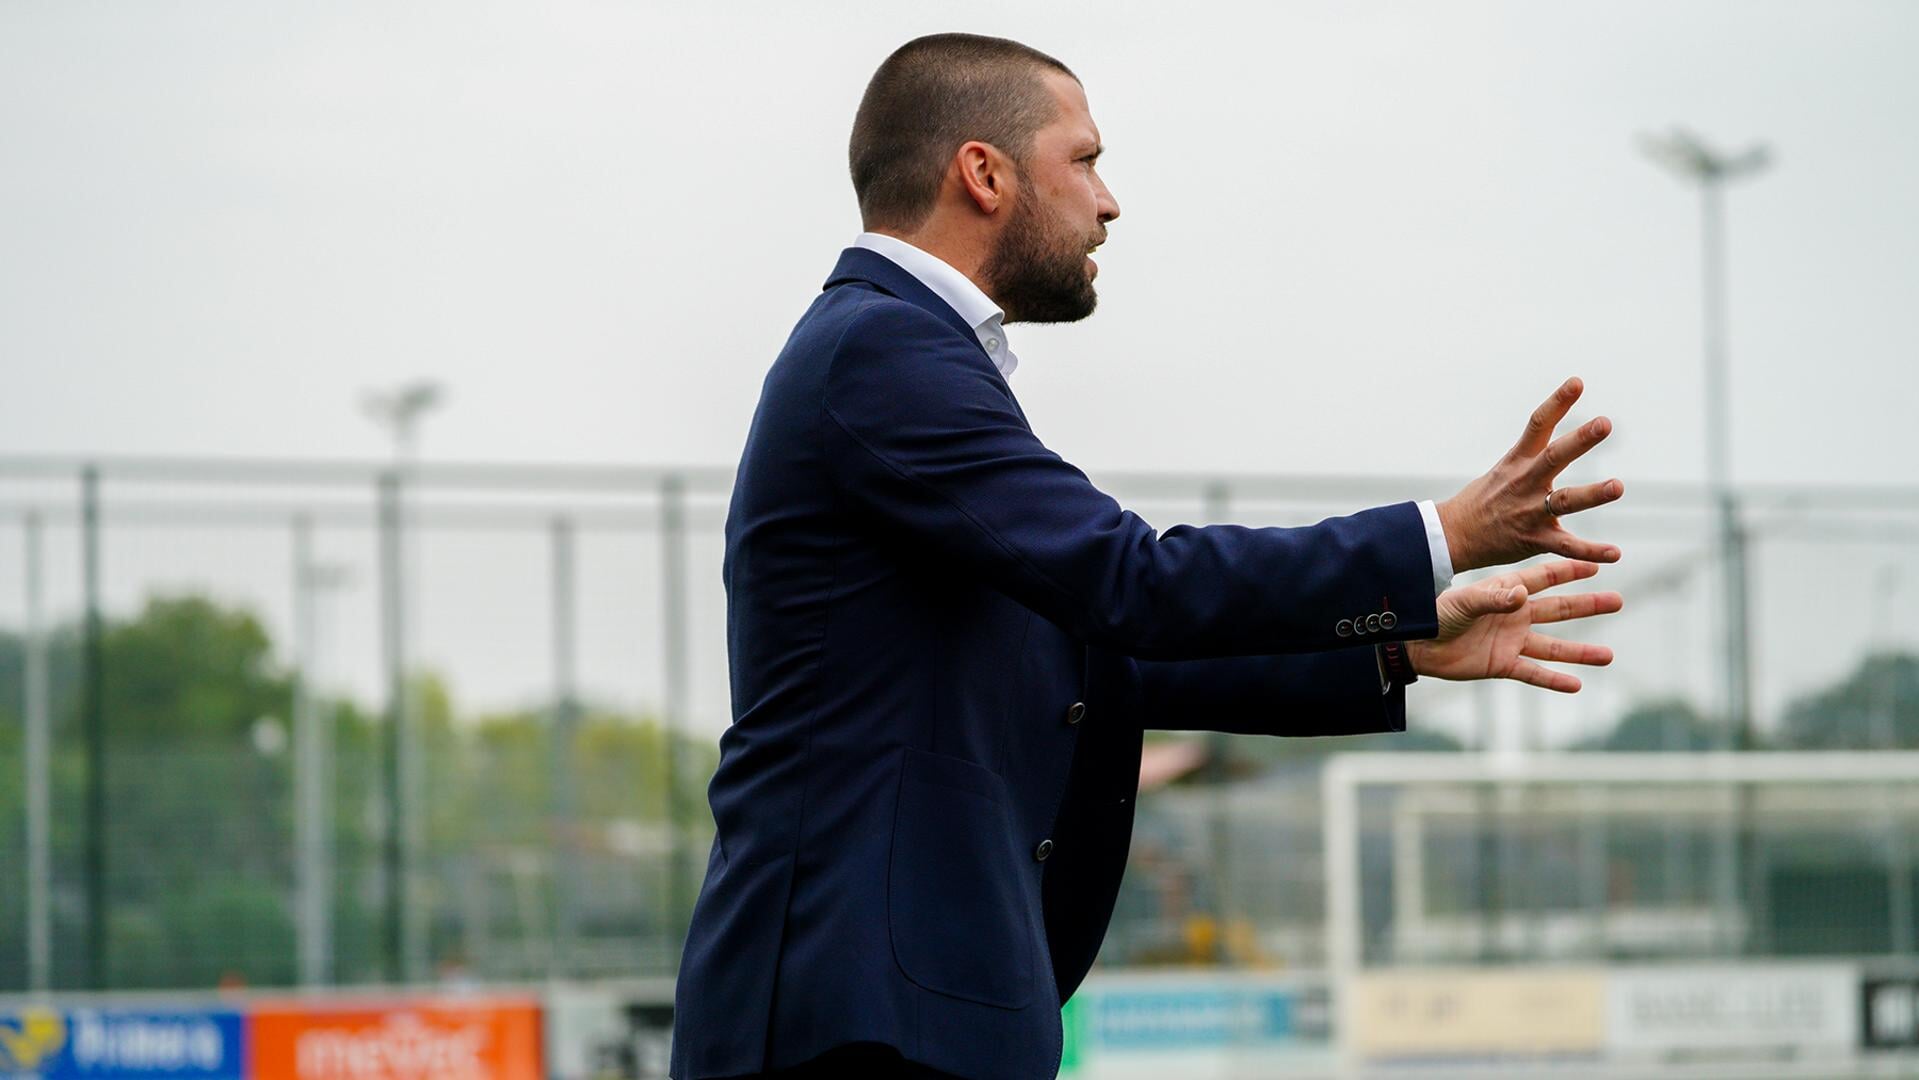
column 945, row 642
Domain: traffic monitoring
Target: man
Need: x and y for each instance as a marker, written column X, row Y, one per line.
column 945, row 642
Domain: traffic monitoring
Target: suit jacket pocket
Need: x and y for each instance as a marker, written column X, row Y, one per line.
column 953, row 898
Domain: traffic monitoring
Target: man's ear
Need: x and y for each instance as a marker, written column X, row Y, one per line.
column 985, row 175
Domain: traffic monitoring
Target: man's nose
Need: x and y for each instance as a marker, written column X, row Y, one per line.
column 1108, row 206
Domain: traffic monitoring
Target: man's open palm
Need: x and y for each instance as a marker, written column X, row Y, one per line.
column 1486, row 628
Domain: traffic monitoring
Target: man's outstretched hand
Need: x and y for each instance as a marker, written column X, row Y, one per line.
column 1502, row 517
column 1485, row 629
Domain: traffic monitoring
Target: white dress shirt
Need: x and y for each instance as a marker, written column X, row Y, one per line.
column 989, row 324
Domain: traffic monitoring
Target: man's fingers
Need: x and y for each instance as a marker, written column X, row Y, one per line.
column 1540, row 425
column 1553, row 609
column 1489, row 599
column 1528, row 672
column 1569, row 448
column 1542, row 576
column 1541, row 647
column 1571, row 500
column 1561, row 542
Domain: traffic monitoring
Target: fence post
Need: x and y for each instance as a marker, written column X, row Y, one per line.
column 1217, row 502
column 394, row 657
column 93, row 710
column 38, row 759
column 673, row 569
column 312, row 822
column 564, row 801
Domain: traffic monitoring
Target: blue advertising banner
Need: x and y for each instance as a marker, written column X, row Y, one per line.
column 1220, row 1015
column 121, row 1044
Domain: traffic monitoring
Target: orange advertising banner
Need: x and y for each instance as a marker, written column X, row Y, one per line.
column 401, row 1039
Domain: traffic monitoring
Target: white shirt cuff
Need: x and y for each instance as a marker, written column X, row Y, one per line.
column 1436, row 544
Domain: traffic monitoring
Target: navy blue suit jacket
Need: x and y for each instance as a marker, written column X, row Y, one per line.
column 945, row 644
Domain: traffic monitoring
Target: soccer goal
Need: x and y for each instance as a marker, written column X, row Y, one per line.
column 1618, row 910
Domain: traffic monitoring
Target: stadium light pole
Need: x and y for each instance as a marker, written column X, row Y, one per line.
column 1688, row 156
column 399, row 411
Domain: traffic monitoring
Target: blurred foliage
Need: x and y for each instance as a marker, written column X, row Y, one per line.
column 1666, row 724
column 1875, row 706
column 200, row 831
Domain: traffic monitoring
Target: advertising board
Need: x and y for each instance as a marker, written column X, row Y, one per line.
column 47, row 1043
column 482, row 1038
column 1465, row 1015
column 1147, row 1017
column 609, row 1032
column 1196, row 1025
column 1889, row 1013
column 1732, row 1012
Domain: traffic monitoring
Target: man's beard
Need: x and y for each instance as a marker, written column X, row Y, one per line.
column 1037, row 270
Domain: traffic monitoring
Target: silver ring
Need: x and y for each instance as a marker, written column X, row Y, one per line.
column 1549, row 504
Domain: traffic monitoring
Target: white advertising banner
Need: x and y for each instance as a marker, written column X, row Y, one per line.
column 1441, row 1016
column 1733, row 1011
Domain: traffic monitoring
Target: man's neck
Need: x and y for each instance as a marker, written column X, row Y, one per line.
column 963, row 253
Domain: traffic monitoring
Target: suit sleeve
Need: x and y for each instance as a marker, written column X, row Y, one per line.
column 1322, row 693
column 924, row 440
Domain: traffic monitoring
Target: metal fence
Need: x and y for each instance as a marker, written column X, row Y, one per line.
column 279, row 722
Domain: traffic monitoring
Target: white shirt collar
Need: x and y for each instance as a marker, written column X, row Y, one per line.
column 973, row 305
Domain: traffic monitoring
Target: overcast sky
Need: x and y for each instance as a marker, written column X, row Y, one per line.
column 1356, row 238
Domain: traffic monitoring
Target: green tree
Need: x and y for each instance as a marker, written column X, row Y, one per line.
column 196, row 818
column 1879, row 698
column 186, row 668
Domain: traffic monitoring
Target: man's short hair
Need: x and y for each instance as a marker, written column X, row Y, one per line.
column 933, row 94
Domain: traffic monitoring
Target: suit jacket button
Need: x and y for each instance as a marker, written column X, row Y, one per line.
column 1359, row 625
column 1345, row 628
column 1076, row 712
column 1372, row 624
column 1044, row 849
column 1388, row 620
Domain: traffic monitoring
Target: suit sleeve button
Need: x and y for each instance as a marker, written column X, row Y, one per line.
column 1044, row 849
column 1345, row 628
column 1388, row 620
column 1076, row 712
column 1372, row 624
